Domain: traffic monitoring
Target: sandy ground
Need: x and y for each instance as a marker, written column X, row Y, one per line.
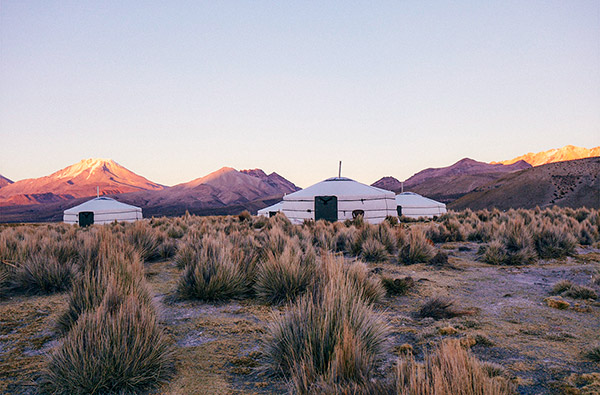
column 218, row 345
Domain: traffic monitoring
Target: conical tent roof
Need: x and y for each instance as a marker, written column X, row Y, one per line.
column 341, row 187
column 102, row 205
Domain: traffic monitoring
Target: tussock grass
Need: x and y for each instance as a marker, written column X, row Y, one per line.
column 43, row 274
column 448, row 370
column 417, row 249
column 439, row 307
column 117, row 348
column 568, row 289
column 554, row 242
column 594, row 353
column 398, row 286
column 144, row 239
column 373, row 251
column 330, row 338
column 282, row 278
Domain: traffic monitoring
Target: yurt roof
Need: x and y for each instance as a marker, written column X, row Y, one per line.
column 102, row 205
column 276, row 207
column 341, row 187
column 411, row 199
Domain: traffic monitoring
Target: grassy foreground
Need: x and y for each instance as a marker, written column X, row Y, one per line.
column 238, row 305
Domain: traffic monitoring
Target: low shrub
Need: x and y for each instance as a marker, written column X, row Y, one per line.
column 561, row 287
column 398, row 286
column 594, row 353
column 418, row 248
column 449, row 369
column 580, row 292
column 438, row 308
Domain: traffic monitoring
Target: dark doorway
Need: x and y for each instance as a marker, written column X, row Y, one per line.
column 326, row 208
column 399, row 210
column 86, row 218
column 358, row 213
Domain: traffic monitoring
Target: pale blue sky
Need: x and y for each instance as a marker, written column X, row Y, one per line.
column 175, row 90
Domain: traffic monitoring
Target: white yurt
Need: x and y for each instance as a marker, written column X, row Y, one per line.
column 338, row 199
column 101, row 210
column 271, row 210
column 413, row 205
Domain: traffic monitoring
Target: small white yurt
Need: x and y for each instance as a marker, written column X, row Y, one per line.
column 271, row 210
column 338, row 199
column 413, row 205
column 101, row 210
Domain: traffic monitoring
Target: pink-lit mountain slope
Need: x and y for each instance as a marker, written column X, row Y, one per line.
column 4, row 181
column 78, row 180
column 218, row 192
column 448, row 183
column 568, row 152
column 273, row 179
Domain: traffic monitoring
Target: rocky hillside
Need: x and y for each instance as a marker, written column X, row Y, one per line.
column 568, row 152
column 572, row 183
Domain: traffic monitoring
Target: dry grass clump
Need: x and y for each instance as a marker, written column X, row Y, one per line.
column 373, row 251
column 551, row 241
column 568, row 289
column 115, row 262
column 448, row 370
column 580, row 292
column 114, row 349
column 42, row 274
column 418, row 248
column 514, row 246
column 439, row 307
column 213, row 274
column 332, row 269
column 397, row 286
column 144, row 239
column 329, row 339
column 113, row 343
column 284, row 277
column 594, row 353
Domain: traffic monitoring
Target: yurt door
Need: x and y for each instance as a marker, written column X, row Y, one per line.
column 326, row 208
column 86, row 218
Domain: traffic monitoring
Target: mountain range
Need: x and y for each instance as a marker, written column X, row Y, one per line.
column 572, row 183
column 224, row 191
column 466, row 183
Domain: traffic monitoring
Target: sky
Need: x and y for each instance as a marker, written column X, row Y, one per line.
column 176, row 90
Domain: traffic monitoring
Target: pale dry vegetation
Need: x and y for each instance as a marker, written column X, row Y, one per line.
column 326, row 288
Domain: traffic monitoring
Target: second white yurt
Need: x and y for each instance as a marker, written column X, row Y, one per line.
column 413, row 205
column 101, row 210
column 271, row 210
column 338, row 199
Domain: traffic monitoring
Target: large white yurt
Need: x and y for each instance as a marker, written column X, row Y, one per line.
column 413, row 205
column 101, row 210
column 338, row 199
column 271, row 210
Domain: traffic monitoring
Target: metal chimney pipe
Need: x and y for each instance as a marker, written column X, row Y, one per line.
column 340, row 170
